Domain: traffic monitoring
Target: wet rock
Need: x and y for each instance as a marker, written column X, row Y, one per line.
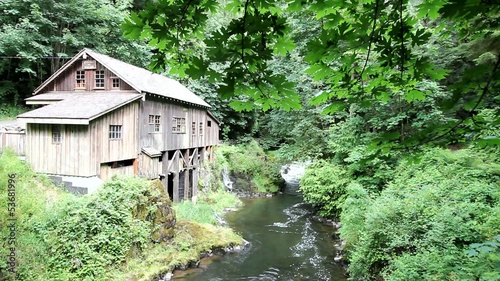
column 168, row 277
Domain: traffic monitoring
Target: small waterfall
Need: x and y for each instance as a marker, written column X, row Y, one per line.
column 292, row 173
column 226, row 180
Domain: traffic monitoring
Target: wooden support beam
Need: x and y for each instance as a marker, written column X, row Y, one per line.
column 136, row 167
column 175, row 172
column 187, row 186
column 196, row 173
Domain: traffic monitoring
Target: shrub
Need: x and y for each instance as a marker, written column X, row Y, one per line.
column 424, row 221
column 100, row 230
column 251, row 163
column 324, row 185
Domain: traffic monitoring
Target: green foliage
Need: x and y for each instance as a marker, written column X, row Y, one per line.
column 324, row 185
column 100, row 230
column 252, row 164
column 426, row 219
column 36, row 202
column 361, row 52
column 208, row 206
column 8, row 111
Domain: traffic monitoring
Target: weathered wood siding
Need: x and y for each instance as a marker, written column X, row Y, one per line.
column 166, row 139
column 149, row 167
column 103, row 148
column 66, row 81
column 15, row 140
column 212, row 132
column 69, row 157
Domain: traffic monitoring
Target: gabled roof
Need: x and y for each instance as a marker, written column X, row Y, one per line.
column 79, row 108
column 140, row 79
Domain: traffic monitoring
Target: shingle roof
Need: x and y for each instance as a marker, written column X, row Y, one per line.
column 80, row 108
column 138, row 78
column 50, row 96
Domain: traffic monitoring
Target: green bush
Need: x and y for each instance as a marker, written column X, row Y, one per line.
column 324, row 185
column 423, row 223
column 99, row 231
column 9, row 111
column 251, row 163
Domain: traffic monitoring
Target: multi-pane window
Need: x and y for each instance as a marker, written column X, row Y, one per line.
column 56, row 133
column 179, row 125
column 115, row 83
column 80, row 79
column 99, row 78
column 193, row 129
column 154, row 123
column 201, row 128
column 115, row 132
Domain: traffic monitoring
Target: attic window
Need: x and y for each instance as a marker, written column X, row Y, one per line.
column 56, row 133
column 154, row 123
column 115, row 83
column 115, row 132
column 178, row 125
column 201, row 128
column 99, row 78
column 209, row 123
column 80, row 79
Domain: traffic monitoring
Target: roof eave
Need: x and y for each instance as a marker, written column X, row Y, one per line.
column 178, row 101
column 70, row 121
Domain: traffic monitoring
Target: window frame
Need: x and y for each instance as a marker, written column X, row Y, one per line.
column 56, row 134
column 193, row 129
column 97, row 77
column 80, row 81
column 178, row 125
column 200, row 129
column 113, row 80
column 115, row 132
column 154, row 122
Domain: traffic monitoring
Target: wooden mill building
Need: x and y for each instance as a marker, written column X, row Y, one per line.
column 100, row 117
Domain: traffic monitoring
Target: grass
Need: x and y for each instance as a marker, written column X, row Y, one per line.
column 189, row 241
column 209, row 206
column 37, row 201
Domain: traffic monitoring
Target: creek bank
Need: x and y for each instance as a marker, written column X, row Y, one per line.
column 204, row 259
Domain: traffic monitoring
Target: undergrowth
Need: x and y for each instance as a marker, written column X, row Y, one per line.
column 249, row 162
column 60, row 236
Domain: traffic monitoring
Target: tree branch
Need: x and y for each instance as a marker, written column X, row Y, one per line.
column 372, row 35
column 402, row 34
column 254, row 80
column 483, row 94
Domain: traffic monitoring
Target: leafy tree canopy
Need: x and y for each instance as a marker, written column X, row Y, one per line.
column 366, row 52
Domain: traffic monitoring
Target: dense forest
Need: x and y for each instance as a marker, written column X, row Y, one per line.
column 396, row 103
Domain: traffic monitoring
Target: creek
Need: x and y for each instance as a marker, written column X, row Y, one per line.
column 286, row 243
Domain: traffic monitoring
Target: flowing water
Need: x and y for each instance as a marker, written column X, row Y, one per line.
column 285, row 243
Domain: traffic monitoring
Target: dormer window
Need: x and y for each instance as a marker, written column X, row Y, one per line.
column 99, row 79
column 80, row 79
column 115, row 82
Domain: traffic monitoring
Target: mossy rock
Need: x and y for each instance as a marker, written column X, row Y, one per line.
column 156, row 207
